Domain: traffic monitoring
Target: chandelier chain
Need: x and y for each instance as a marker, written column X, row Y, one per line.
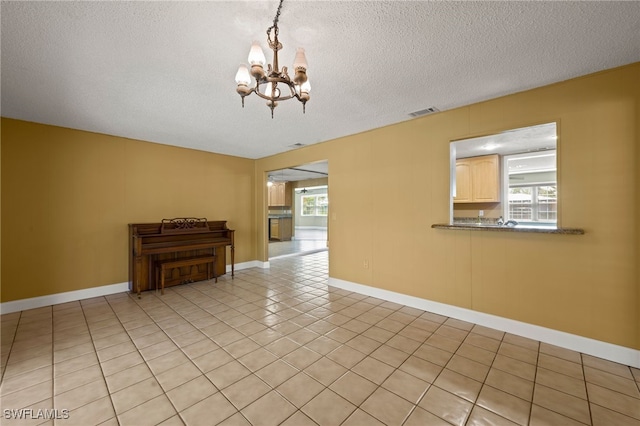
column 275, row 21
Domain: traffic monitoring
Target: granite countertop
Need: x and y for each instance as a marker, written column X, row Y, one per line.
column 518, row 228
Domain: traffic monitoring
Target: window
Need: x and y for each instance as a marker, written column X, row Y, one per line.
column 531, row 189
column 315, row 205
column 536, row 203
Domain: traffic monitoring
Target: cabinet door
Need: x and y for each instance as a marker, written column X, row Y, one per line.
column 485, row 179
column 270, row 198
column 280, row 195
column 276, row 194
column 285, row 229
column 463, row 182
column 288, row 191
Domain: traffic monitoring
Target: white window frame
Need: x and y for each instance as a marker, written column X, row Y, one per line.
column 505, row 186
column 534, row 205
column 316, row 206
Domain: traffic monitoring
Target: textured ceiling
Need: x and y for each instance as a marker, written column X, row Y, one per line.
column 316, row 170
column 514, row 141
column 164, row 71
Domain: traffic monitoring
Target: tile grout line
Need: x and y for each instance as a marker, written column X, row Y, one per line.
column 146, row 361
column 190, row 360
column 137, row 350
column 53, row 340
column 586, row 388
column 13, row 340
column 301, row 371
column 378, row 386
column 535, row 383
column 104, row 377
column 484, row 381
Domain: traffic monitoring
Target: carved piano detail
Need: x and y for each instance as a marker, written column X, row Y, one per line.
column 185, row 238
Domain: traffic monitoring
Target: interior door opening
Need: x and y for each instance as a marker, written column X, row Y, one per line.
column 297, row 210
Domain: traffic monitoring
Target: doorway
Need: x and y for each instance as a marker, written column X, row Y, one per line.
column 297, row 206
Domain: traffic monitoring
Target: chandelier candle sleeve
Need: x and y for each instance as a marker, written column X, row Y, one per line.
column 257, row 60
column 242, row 76
column 256, row 55
column 300, row 66
column 269, row 84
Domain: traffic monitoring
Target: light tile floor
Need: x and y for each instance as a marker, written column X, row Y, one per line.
column 279, row 346
column 305, row 241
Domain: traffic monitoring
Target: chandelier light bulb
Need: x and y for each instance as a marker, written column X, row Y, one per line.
column 256, row 55
column 271, row 92
column 304, row 90
column 242, row 76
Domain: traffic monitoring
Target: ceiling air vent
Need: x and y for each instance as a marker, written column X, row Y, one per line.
column 424, row 112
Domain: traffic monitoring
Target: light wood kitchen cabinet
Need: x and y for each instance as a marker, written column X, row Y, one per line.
column 463, row 182
column 280, row 229
column 275, row 229
column 271, row 194
column 280, row 194
column 478, row 179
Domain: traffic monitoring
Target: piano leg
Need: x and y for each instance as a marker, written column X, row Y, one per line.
column 137, row 276
column 233, row 252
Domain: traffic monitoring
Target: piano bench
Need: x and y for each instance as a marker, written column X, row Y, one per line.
column 167, row 265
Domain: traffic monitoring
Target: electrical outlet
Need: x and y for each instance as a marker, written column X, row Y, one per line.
column 365, row 264
column 480, row 213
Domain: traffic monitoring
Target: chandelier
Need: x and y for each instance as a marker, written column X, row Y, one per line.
column 274, row 85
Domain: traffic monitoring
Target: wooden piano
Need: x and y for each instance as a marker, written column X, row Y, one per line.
column 185, row 238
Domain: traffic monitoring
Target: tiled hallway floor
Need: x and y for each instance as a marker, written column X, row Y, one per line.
column 306, row 241
column 279, row 346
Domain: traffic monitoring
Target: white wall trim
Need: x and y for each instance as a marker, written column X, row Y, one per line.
column 597, row 348
column 248, row 265
column 69, row 296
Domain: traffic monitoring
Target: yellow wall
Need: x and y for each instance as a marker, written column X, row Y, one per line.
column 68, row 195
column 586, row 285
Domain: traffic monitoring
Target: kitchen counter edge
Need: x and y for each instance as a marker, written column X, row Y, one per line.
column 466, row 227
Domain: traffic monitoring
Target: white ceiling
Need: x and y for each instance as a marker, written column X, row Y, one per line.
column 164, row 71
column 316, row 170
column 515, row 141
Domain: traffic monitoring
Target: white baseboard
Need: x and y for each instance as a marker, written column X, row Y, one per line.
column 69, row 296
column 597, row 348
column 250, row 264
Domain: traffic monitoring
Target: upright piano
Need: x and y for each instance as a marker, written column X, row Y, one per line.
column 176, row 239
